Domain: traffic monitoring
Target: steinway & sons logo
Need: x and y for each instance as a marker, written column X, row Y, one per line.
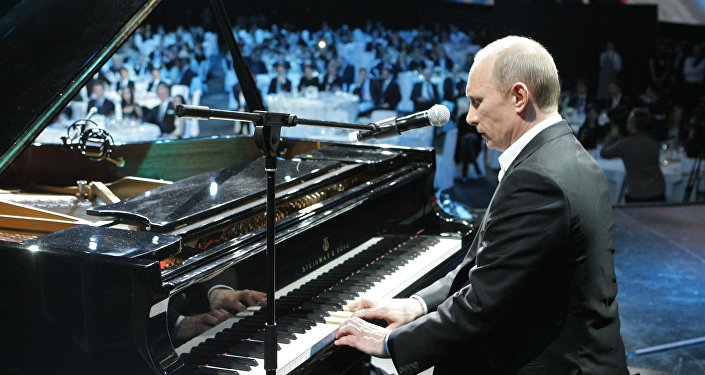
column 328, row 255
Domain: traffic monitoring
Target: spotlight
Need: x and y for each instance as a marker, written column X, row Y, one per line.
column 322, row 44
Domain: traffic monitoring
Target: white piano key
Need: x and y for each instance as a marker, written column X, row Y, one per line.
column 320, row 335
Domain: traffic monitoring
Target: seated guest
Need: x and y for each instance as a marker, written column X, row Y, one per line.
column 163, row 114
column 331, row 81
column 346, row 72
column 386, row 92
column 104, row 106
column 281, row 83
column 454, row 85
column 591, row 131
column 468, row 146
column 179, row 122
column 425, row 93
column 130, row 109
column 618, row 100
column 156, row 80
column 657, row 106
column 580, row 99
column 256, row 64
column 125, row 80
column 185, row 73
column 640, row 154
column 362, row 89
column 309, row 79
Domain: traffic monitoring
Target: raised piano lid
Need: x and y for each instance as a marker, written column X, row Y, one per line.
column 50, row 49
column 167, row 207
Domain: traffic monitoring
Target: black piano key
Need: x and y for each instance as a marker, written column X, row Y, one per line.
column 233, row 363
column 248, row 361
column 281, row 338
column 311, row 302
column 208, row 370
column 291, row 328
column 318, row 318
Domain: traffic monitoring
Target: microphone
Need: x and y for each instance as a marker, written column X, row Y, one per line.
column 438, row 115
column 91, row 112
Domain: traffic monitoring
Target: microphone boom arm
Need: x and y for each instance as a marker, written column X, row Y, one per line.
column 263, row 118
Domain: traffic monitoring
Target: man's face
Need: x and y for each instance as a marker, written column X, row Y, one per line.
column 491, row 111
column 99, row 91
column 163, row 93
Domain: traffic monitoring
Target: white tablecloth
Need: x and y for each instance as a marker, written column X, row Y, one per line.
column 339, row 107
column 124, row 132
column 675, row 172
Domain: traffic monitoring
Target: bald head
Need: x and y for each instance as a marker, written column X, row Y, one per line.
column 519, row 59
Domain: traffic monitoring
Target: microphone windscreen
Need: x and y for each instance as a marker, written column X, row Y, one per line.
column 438, row 115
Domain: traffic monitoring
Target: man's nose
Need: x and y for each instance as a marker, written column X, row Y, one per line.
column 471, row 118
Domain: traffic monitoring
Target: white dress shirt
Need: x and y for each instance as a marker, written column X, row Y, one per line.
column 508, row 156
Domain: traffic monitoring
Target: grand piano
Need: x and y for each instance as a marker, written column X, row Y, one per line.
column 103, row 285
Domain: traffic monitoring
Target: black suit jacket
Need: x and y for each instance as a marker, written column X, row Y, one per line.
column 107, row 109
column 130, row 84
column 186, row 78
column 424, row 105
column 536, row 291
column 167, row 122
column 391, row 96
column 285, row 87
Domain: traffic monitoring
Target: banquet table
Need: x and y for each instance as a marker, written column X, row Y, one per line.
column 127, row 131
column 675, row 172
column 339, row 107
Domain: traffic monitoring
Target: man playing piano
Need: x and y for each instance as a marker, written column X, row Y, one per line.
column 536, row 292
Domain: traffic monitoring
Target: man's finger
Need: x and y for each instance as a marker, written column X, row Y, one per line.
column 346, row 340
column 362, row 303
column 373, row 313
column 234, row 306
column 250, row 298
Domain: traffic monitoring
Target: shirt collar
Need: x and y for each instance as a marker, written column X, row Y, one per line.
column 508, row 156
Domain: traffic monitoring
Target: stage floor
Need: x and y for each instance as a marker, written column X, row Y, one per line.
column 660, row 264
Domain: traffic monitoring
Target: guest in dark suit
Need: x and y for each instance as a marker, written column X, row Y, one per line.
column 331, row 81
column 454, row 85
column 125, row 80
column 385, row 92
column 104, row 105
column 281, row 83
column 425, row 93
column 536, row 292
column 309, row 80
column 156, row 80
column 347, row 73
column 185, row 72
column 163, row 114
column 580, row 98
column 640, row 154
column 362, row 88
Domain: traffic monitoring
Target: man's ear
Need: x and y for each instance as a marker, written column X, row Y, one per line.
column 520, row 94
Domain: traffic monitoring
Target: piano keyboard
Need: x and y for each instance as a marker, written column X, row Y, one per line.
column 310, row 309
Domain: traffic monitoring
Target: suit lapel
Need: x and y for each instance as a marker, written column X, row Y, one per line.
column 554, row 131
